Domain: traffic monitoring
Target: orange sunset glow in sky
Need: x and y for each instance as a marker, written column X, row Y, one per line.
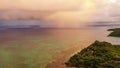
column 62, row 12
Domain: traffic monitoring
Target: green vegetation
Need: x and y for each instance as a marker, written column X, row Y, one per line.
column 115, row 32
column 97, row 55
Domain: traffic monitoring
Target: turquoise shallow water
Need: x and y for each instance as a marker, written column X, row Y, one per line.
column 35, row 48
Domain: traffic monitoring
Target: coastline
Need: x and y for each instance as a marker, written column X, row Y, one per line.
column 64, row 56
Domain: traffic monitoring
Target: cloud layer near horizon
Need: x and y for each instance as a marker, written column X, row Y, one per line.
column 63, row 12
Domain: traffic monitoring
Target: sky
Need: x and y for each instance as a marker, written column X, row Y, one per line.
column 64, row 13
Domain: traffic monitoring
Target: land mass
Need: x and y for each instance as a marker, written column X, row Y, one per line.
column 98, row 54
column 115, row 32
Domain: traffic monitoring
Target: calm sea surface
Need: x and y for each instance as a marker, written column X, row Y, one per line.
column 35, row 48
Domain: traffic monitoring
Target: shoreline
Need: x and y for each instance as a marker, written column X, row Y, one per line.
column 64, row 56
